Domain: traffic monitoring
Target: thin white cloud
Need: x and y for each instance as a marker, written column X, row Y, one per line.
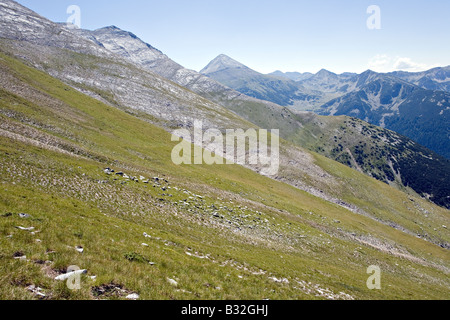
column 407, row 64
column 385, row 63
column 380, row 63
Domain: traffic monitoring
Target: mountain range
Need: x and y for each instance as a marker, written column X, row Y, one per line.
column 87, row 180
column 422, row 115
column 434, row 79
column 416, row 105
column 295, row 76
column 393, row 160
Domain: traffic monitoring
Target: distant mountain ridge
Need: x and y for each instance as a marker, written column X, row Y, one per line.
column 241, row 78
column 413, row 104
column 295, row 76
column 423, row 115
column 433, row 79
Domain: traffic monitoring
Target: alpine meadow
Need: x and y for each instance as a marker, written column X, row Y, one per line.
column 127, row 176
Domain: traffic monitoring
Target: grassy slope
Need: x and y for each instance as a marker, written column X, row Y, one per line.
column 67, row 64
column 371, row 151
column 381, row 153
column 293, row 234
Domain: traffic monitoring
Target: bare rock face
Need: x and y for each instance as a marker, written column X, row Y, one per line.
column 130, row 47
column 102, row 73
column 20, row 23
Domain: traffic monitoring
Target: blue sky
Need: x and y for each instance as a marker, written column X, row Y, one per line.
column 269, row 35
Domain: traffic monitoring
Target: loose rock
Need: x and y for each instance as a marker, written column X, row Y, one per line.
column 133, row 296
column 172, row 282
column 66, row 276
column 80, row 249
column 25, row 229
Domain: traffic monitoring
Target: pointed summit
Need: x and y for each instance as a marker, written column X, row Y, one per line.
column 367, row 77
column 112, row 27
column 126, row 44
column 222, row 62
column 325, row 73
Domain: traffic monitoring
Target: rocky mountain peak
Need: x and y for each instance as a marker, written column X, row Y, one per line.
column 113, row 31
column 325, row 74
column 222, row 62
column 124, row 43
column 20, row 23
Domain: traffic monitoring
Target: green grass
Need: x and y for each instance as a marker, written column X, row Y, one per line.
column 226, row 244
column 380, row 153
